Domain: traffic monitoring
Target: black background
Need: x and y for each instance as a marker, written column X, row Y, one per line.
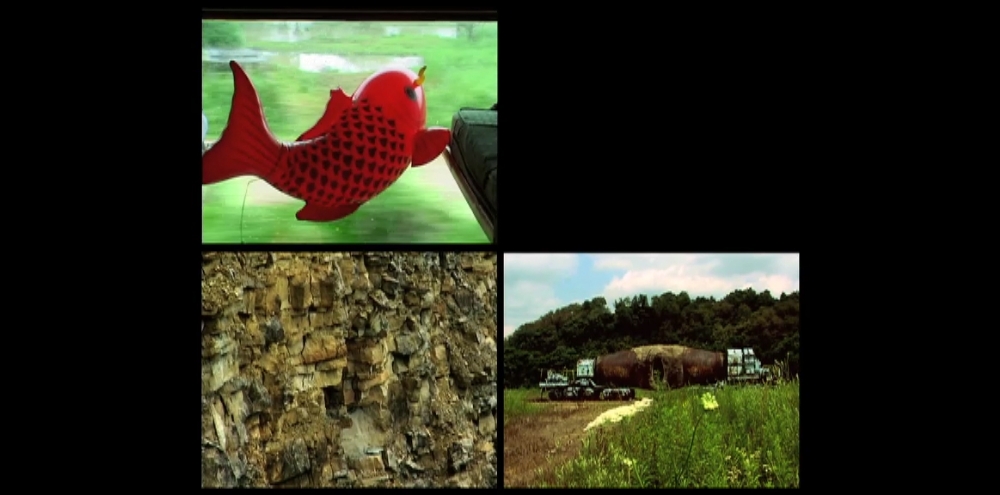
column 704, row 148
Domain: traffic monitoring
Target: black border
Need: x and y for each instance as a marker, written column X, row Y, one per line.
column 706, row 147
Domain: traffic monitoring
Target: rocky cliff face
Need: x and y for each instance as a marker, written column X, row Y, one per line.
column 349, row 369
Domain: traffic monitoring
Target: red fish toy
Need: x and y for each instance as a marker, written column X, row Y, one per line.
column 359, row 147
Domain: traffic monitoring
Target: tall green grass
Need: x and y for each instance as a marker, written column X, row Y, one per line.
column 515, row 403
column 751, row 440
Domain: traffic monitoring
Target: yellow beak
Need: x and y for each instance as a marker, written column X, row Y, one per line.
column 420, row 77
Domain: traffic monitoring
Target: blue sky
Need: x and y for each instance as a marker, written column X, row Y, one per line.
column 537, row 283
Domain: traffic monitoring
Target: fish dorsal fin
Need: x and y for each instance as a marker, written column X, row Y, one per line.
column 335, row 108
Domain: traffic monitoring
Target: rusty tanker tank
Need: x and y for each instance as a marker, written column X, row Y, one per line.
column 676, row 365
column 615, row 375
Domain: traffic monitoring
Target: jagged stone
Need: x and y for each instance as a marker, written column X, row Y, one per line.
column 312, row 359
column 460, row 454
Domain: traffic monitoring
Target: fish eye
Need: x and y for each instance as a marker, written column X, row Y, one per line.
column 411, row 94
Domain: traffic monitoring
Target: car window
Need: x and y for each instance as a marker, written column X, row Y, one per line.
column 294, row 65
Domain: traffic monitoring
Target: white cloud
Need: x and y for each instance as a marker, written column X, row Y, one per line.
column 528, row 285
column 525, row 300
column 788, row 264
column 647, row 261
column 700, row 275
column 539, row 266
column 523, row 294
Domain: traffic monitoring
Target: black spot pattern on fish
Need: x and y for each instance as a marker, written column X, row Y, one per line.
column 382, row 154
column 346, row 174
column 381, row 169
column 333, row 185
column 360, row 149
column 402, row 136
column 369, row 119
column 313, row 173
column 302, row 166
column 311, row 187
column 392, row 145
column 369, row 128
column 326, row 164
column 334, row 143
column 371, row 152
column 357, row 178
column 371, row 167
column 335, row 155
column 381, row 131
column 359, row 163
column 367, row 181
column 299, row 181
column 314, row 156
column 392, row 123
column 348, row 134
column 379, row 119
column 343, row 188
column 348, row 159
column 354, row 191
column 323, row 180
column 371, row 139
column 357, row 125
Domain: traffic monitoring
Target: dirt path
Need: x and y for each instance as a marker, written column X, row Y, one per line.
column 535, row 445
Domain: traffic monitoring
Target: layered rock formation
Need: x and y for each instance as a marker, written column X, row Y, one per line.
column 349, row 369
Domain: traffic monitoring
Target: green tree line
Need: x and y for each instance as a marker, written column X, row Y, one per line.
column 744, row 318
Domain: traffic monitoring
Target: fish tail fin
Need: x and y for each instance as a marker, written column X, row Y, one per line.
column 247, row 146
